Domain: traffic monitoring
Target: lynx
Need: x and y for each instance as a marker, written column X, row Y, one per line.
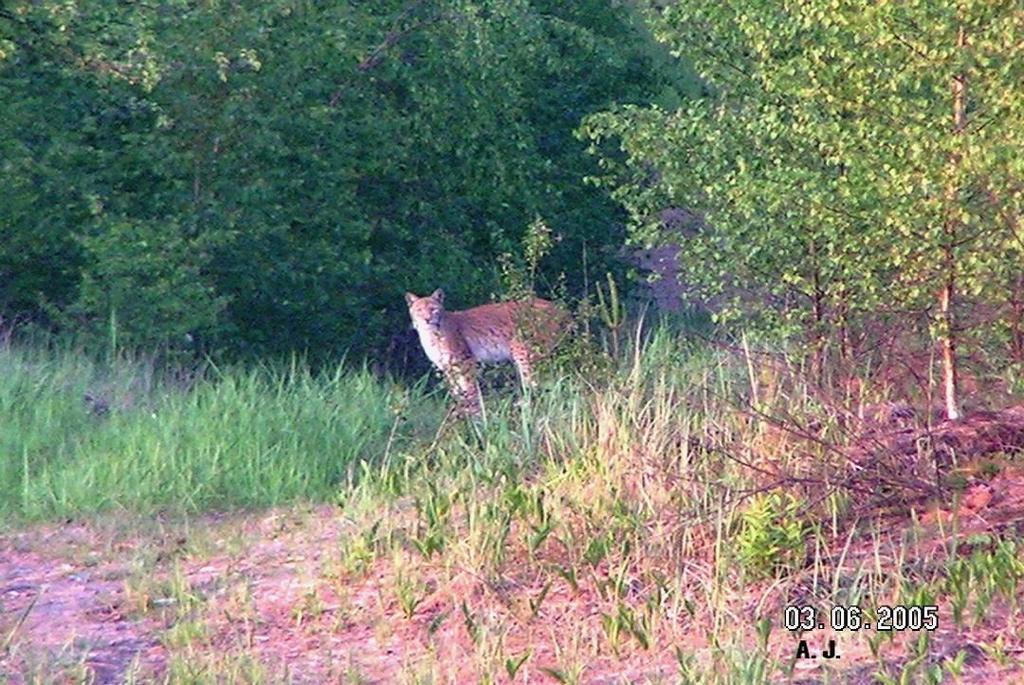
column 521, row 332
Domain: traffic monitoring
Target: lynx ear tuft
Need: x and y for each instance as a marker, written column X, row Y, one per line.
column 410, row 298
column 438, row 295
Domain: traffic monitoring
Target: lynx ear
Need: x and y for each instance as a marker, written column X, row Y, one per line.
column 438, row 296
column 410, row 298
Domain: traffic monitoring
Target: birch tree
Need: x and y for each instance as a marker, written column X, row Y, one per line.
column 866, row 156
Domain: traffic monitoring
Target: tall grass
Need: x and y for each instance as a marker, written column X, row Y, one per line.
column 241, row 437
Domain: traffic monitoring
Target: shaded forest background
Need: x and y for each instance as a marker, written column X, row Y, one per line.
column 265, row 178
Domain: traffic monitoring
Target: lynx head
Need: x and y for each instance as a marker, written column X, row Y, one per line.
column 426, row 310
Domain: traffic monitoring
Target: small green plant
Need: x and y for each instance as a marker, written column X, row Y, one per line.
column 764, row 632
column 569, row 575
column 997, row 650
column 689, row 669
column 919, row 654
column 519, row 276
column 626, row 622
column 409, row 593
column 537, row 602
column 598, row 547
column 354, row 676
column 569, row 675
column 730, row 665
column 955, row 665
column 184, row 634
column 311, row 607
column 438, row 621
column 359, row 551
column 513, row 664
column 541, row 522
column 957, row 588
column 433, row 508
column 770, row 539
column 612, row 311
column 145, row 590
column 990, row 572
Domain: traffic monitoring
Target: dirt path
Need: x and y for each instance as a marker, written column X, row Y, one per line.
column 54, row 612
column 265, row 597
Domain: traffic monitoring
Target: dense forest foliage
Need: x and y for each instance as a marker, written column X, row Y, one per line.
column 270, row 177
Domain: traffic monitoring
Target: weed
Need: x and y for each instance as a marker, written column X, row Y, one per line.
column 310, row 608
column 409, row 590
column 770, row 539
column 513, row 664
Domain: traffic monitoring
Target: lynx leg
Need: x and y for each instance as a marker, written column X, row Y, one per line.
column 523, row 359
column 462, row 380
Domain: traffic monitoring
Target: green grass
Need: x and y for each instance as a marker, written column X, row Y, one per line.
column 251, row 437
column 236, row 438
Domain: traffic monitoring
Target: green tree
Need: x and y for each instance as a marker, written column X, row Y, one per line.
column 147, row 276
column 852, row 159
column 302, row 164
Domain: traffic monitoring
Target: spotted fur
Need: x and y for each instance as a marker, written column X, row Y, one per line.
column 520, row 332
